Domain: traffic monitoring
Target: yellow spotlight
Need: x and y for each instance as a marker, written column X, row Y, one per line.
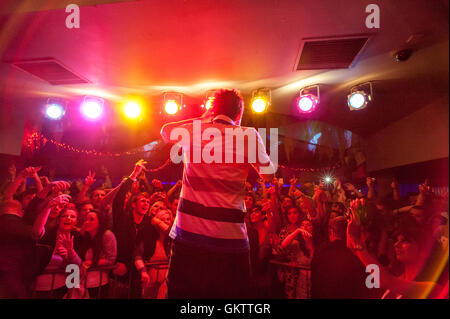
column 261, row 99
column 132, row 110
column 171, row 107
column 209, row 103
column 259, row 105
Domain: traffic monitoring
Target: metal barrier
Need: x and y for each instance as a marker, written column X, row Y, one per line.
column 156, row 265
column 155, row 286
column 304, row 270
column 56, row 272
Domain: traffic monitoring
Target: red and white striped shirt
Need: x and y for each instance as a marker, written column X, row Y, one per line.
column 211, row 208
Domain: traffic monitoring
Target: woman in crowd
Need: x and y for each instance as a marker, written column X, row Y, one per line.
column 263, row 226
column 297, row 247
column 84, row 209
column 259, row 222
column 98, row 248
column 157, row 207
column 63, row 241
column 412, row 248
column 156, row 252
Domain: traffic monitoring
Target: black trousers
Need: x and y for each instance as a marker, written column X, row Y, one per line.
column 196, row 273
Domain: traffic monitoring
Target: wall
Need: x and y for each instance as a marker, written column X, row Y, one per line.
column 419, row 137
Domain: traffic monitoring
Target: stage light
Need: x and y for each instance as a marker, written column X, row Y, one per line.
column 358, row 98
column 208, row 100
column 172, row 102
column 92, row 107
column 307, row 101
column 171, row 107
column 54, row 111
column 259, row 105
column 328, row 179
column 132, row 110
column 209, row 103
column 261, row 99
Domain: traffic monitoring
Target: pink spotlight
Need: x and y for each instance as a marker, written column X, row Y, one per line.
column 92, row 108
column 307, row 103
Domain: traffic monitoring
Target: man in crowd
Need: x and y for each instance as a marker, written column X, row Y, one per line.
column 336, row 273
column 18, row 250
column 128, row 226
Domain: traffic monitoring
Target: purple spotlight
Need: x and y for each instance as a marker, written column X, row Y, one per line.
column 92, row 108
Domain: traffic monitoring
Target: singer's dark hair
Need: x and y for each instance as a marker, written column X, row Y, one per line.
column 228, row 102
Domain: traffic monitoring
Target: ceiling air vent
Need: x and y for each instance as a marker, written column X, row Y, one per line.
column 50, row 70
column 330, row 53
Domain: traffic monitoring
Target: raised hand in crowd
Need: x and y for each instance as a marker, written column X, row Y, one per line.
column 64, row 246
column 62, row 199
column 262, row 184
column 135, row 187
column 88, row 181
column 351, row 188
column 304, row 233
column 20, row 179
column 172, row 191
column 298, row 231
column 293, row 181
column 370, row 181
column 139, row 167
column 424, row 193
column 105, row 173
column 52, row 189
column 273, row 208
column 273, row 190
column 425, row 188
column 395, row 190
column 30, row 172
column 157, row 184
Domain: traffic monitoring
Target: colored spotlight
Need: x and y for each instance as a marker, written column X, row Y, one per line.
column 307, row 103
column 209, row 103
column 132, row 110
column 259, row 105
column 358, row 100
column 54, row 111
column 92, row 109
column 171, row 107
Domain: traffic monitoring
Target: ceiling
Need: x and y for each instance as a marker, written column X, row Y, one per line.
column 148, row 47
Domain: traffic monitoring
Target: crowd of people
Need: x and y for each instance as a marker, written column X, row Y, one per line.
column 306, row 241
